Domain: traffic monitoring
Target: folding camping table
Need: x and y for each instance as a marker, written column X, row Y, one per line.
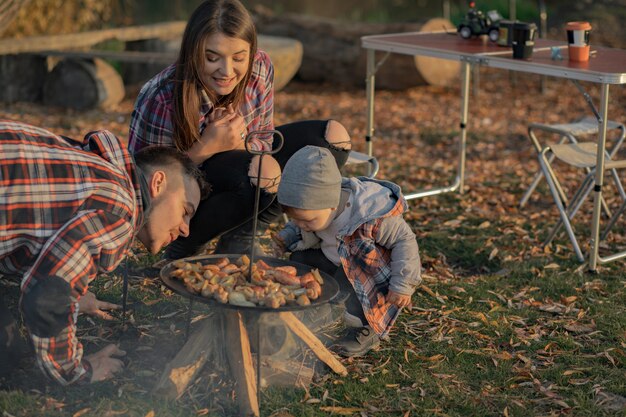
column 606, row 67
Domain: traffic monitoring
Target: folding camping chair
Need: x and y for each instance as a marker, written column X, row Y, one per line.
column 357, row 158
column 580, row 155
column 567, row 133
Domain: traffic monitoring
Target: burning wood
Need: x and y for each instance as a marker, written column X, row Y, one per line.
column 268, row 286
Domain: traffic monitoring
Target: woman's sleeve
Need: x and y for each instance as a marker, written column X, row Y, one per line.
column 267, row 96
column 263, row 100
column 150, row 124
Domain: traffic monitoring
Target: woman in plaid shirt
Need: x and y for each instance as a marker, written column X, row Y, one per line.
column 219, row 90
column 68, row 211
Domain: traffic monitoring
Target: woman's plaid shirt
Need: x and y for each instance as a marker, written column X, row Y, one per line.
column 152, row 118
column 68, row 211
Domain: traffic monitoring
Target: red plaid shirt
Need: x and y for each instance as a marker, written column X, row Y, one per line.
column 68, row 211
column 367, row 267
column 152, row 119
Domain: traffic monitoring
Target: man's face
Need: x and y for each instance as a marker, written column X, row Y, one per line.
column 175, row 198
column 225, row 62
column 311, row 220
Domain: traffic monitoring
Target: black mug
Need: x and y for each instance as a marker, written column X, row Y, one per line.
column 505, row 33
column 523, row 39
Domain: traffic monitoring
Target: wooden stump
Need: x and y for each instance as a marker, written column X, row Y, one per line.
column 286, row 55
column 22, row 77
column 83, row 84
column 333, row 52
column 436, row 71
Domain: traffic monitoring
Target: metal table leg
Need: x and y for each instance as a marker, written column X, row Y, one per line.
column 370, row 82
column 594, row 257
column 460, row 176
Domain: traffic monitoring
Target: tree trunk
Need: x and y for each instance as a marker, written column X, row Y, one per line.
column 135, row 73
column 22, row 77
column 333, row 52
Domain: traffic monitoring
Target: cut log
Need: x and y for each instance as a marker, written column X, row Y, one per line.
column 286, row 55
column 333, row 52
column 241, row 364
column 183, row 369
column 228, row 329
column 437, row 71
column 83, row 84
column 22, row 78
column 313, row 343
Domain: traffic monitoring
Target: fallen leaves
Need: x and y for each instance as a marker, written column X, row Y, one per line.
column 81, row 412
column 342, row 411
column 434, row 358
column 521, row 332
column 577, row 327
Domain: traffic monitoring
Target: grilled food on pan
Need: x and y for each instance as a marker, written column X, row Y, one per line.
column 269, row 286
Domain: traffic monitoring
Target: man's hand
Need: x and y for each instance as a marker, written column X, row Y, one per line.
column 89, row 304
column 103, row 365
column 397, row 299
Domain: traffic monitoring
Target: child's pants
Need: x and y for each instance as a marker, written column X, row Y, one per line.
column 317, row 259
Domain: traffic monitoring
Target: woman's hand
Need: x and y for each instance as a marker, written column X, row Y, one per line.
column 397, row 299
column 225, row 131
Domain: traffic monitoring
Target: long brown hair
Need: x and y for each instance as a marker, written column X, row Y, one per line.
column 228, row 17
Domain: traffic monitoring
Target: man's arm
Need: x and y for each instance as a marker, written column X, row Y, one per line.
column 92, row 242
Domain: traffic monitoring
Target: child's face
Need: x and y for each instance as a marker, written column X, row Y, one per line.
column 311, row 220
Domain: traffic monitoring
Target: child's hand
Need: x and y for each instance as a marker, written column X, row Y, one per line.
column 278, row 245
column 399, row 300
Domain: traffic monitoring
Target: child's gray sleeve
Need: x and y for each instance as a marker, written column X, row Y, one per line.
column 290, row 235
column 396, row 235
column 295, row 239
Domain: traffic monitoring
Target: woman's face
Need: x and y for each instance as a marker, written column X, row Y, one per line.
column 226, row 62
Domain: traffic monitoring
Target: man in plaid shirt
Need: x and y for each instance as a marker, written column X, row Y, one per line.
column 70, row 210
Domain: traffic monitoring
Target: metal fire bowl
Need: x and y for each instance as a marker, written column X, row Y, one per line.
column 330, row 289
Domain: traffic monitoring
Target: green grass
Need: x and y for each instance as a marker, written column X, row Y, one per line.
column 500, row 326
column 513, row 332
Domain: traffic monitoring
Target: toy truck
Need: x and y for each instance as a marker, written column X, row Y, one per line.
column 476, row 23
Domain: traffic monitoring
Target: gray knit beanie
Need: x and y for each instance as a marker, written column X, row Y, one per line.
column 311, row 180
